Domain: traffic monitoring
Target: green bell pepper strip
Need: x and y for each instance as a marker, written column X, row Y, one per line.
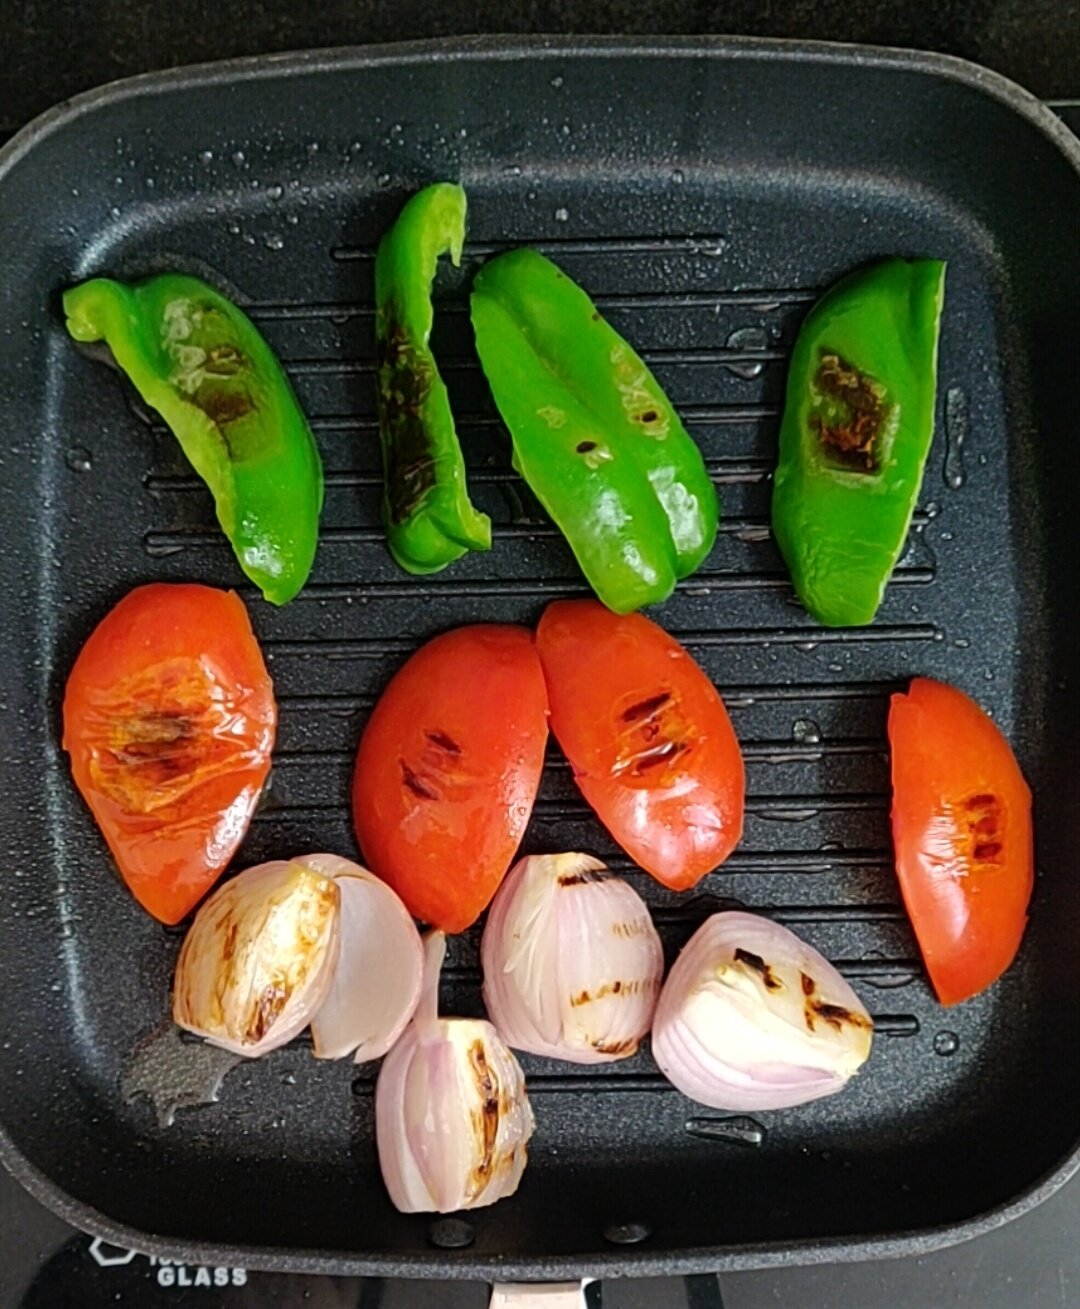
column 429, row 518
column 857, row 427
column 594, row 435
column 201, row 363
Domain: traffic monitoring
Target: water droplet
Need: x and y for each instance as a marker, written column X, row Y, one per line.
column 806, row 646
column 956, row 432
column 248, row 239
column 627, row 1233
column 78, row 459
column 989, row 674
column 739, row 1131
column 556, row 82
column 805, row 732
column 149, row 183
column 275, row 241
column 206, row 158
column 932, row 509
column 115, row 211
column 174, row 1073
column 288, row 1079
column 119, row 181
column 313, row 147
column 238, row 158
column 234, row 229
column 463, row 132
column 962, row 643
column 716, row 250
column 451, row 1233
column 946, row 1043
column 678, row 177
column 745, row 340
column 275, row 192
column 512, row 170
column 566, row 129
column 561, row 214
column 292, row 218
column 383, row 179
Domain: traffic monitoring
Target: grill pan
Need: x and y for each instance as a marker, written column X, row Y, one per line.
column 703, row 191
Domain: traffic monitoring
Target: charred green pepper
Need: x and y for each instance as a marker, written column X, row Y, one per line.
column 429, row 519
column 857, row 427
column 594, row 435
column 201, row 363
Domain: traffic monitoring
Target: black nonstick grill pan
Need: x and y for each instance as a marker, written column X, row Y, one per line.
column 703, row 192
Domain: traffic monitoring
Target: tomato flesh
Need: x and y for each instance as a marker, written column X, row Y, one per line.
column 169, row 721
column 648, row 738
column 448, row 769
column 961, row 820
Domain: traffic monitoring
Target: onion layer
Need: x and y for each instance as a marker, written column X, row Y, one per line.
column 572, row 962
column 452, row 1119
column 751, row 1017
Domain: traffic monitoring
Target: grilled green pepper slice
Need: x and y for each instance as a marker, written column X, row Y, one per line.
column 857, row 427
column 429, row 518
column 594, row 435
column 201, row 363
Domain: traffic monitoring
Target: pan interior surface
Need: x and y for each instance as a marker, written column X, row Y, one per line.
column 704, row 195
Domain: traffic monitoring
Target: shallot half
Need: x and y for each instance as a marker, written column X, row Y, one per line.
column 751, row 1017
column 315, row 939
column 572, row 962
column 452, row 1120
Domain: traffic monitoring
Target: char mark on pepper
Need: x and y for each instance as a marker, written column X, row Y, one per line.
column 405, row 381
column 850, row 419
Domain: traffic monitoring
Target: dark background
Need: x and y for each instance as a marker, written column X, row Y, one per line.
column 49, row 51
column 52, row 50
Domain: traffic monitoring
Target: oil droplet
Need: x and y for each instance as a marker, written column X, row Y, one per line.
column 556, row 82
column 956, row 431
column 738, row 1131
column 206, row 158
column 946, row 1043
column 274, row 241
column 174, row 1073
column 745, row 340
column 806, row 732
column 78, row 459
column 561, row 214
column 239, row 159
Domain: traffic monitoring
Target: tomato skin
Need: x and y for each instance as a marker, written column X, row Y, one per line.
column 448, row 769
column 169, row 720
column 647, row 735
column 961, row 820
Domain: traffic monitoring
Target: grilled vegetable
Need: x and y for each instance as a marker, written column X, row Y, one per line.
column 169, row 719
column 429, row 519
column 315, row 939
column 751, row 1017
column 594, row 435
column 647, row 736
column 856, row 432
column 448, row 769
column 452, row 1120
column 201, row 363
column 961, row 820
column 572, row 962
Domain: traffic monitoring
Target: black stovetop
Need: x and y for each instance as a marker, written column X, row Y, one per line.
column 53, row 50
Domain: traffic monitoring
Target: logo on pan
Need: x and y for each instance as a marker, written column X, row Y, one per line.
column 110, row 1256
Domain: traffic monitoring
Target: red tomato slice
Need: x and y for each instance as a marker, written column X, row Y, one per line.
column 648, row 738
column 169, row 720
column 961, row 820
column 448, row 769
